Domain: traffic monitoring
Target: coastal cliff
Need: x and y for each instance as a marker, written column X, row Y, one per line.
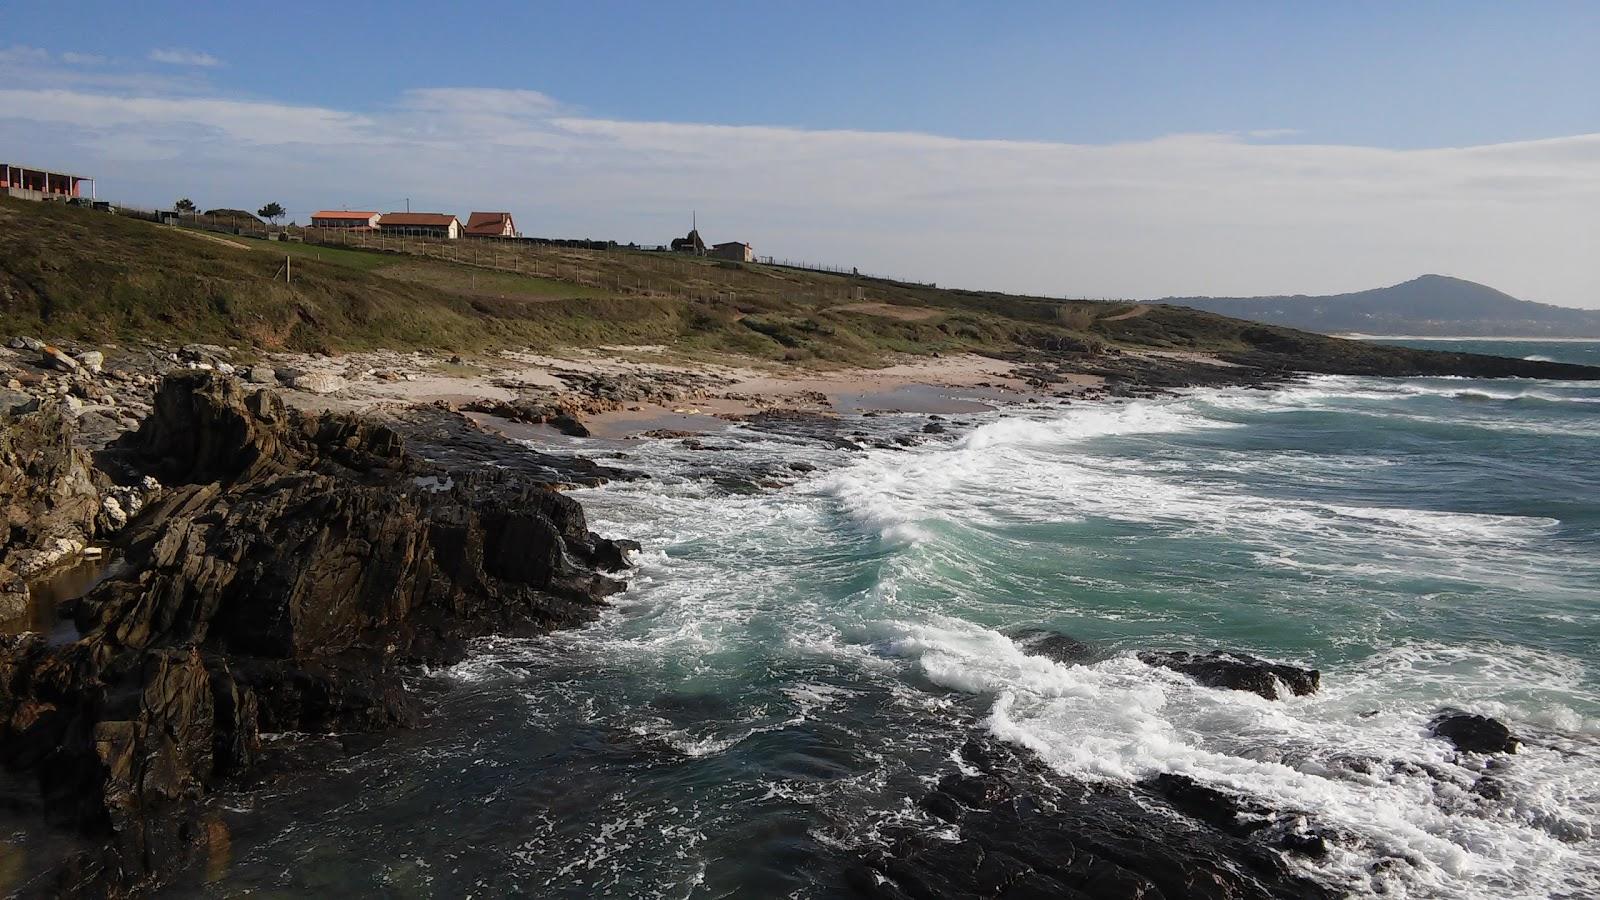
column 290, row 569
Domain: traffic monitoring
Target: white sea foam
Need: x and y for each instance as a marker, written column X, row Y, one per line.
column 1356, row 757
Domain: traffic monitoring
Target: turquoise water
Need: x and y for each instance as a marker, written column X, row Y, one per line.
column 790, row 668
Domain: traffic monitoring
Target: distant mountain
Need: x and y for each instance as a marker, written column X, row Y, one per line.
column 1431, row 305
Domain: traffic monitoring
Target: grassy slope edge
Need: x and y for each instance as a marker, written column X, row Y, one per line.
column 77, row 274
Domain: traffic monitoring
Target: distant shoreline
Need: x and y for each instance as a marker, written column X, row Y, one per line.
column 1357, row 336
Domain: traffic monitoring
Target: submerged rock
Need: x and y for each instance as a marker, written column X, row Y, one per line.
column 1054, row 645
column 1022, row 831
column 1237, row 671
column 1472, row 733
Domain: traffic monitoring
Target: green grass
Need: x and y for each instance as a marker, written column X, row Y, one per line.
column 77, row 274
column 360, row 260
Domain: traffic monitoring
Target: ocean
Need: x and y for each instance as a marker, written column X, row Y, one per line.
column 812, row 630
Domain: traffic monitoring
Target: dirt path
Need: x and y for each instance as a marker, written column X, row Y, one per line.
column 1134, row 313
column 891, row 311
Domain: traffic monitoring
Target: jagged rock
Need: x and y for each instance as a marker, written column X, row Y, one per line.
column 13, row 401
column 261, row 375
column 92, row 361
column 112, row 516
column 300, row 562
column 13, row 594
column 1237, row 671
column 49, row 491
column 1022, row 831
column 318, row 383
column 533, row 412
column 21, row 342
column 1473, row 733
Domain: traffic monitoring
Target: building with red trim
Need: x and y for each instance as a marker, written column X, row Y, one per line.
column 30, row 183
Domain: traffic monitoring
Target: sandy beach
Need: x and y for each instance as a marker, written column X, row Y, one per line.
column 627, row 391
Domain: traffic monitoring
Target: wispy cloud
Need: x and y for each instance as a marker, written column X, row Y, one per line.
column 19, row 54
column 176, row 57
column 83, row 59
column 1184, row 214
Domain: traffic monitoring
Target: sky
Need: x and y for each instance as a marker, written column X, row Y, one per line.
column 1135, row 150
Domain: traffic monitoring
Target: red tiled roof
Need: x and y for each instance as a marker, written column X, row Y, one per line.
column 487, row 222
column 343, row 214
column 402, row 218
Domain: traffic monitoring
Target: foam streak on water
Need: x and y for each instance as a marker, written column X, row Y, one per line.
column 791, row 667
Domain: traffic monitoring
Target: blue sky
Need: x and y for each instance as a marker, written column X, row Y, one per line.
column 566, row 107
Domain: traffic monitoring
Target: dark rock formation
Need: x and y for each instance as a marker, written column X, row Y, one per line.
column 1024, row 832
column 1237, row 671
column 1054, row 645
column 292, row 568
column 1473, row 733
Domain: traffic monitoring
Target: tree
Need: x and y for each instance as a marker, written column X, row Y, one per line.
column 272, row 212
column 184, row 206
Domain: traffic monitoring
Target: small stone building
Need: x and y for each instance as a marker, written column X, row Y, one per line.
column 734, row 250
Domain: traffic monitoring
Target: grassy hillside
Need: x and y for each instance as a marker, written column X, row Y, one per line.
column 74, row 273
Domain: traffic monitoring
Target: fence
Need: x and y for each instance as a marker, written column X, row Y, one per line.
column 601, row 265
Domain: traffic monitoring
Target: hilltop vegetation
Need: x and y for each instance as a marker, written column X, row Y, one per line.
column 69, row 273
column 78, row 274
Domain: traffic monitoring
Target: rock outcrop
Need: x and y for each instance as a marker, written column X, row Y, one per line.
column 291, row 569
column 1238, row 672
column 1472, row 733
column 1020, row 831
column 50, row 499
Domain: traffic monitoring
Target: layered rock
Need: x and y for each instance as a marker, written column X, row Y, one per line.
column 50, row 499
column 292, row 568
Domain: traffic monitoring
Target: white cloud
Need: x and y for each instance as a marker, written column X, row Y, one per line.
column 177, row 57
column 1184, row 214
column 18, row 54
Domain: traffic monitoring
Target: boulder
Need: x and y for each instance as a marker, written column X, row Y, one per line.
column 1472, row 733
column 14, row 402
column 92, row 361
column 318, row 383
column 259, row 374
column 21, row 342
column 1054, row 645
column 54, row 358
column 1238, row 672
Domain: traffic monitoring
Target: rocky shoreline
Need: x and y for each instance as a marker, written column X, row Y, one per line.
column 282, row 569
column 285, row 576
